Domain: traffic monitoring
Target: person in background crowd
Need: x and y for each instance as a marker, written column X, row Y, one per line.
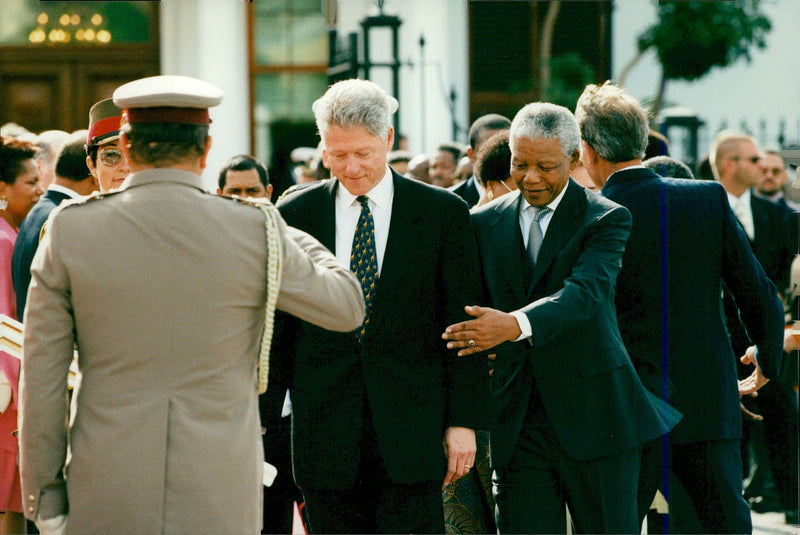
column 15, row 130
column 667, row 166
column 493, row 167
column 72, row 180
column 774, row 178
column 480, row 130
column 49, row 142
column 703, row 169
column 367, row 451
column 398, row 160
column 19, row 192
column 243, row 176
column 442, row 171
column 463, row 170
column 657, row 145
column 419, row 167
column 772, row 231
column 684, row 241
column 103, row 153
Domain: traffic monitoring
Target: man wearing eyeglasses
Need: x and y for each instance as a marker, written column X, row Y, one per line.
column 774, row 177
column 104, row 157
column 772, row 231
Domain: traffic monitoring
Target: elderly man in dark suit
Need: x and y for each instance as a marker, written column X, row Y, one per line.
column 569, row 413
column 685, row 242
column 372, row 408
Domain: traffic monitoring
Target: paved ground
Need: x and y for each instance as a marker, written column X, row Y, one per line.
column 773, row 524
column 763, row 524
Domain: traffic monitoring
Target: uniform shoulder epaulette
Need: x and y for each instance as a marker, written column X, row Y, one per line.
column 86, row 199
column 258, row 202
column 300, row 187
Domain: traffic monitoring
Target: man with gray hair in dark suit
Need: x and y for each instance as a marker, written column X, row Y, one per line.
column 684, row 242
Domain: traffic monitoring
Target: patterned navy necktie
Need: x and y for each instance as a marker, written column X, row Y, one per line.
column 364, row 260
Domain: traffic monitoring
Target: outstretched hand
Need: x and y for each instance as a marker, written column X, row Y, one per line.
column 490, row 328
column 749, row 386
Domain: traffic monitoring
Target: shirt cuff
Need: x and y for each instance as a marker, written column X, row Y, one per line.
column 524, row 325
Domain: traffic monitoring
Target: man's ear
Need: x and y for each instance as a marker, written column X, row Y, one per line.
column 574, row 159
column 205, row 153
column 390, row 138
column 589, row 153
column 91, row 166
column 124, row 147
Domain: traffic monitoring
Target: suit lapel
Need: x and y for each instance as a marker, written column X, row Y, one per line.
column 761, row 222
column 564, row 223
column 55, row 196
column 506, row 236
column 322, row 219
column 399, row 247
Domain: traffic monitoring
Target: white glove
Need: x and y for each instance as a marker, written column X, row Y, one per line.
column 268, row 477
column 52, row 526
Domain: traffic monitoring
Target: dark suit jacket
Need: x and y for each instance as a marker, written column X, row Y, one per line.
column 685, row 241
column 774, row 246
column 591, row 393
column 467, row 190
column 414, row 387
column 27, row 243
column 775, row 242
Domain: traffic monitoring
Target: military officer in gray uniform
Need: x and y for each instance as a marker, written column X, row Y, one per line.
column 165, row 290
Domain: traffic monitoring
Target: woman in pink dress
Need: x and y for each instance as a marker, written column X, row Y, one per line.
column 19, row 191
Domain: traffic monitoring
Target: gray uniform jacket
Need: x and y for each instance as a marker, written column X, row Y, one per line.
column 162, row 288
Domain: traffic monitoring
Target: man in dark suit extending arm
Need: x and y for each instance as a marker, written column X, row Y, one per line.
column 569, row 413
column 684, row 243
column 371, row 408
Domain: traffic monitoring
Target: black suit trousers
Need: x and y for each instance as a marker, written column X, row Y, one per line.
column 375, row 504
column 707, row 480
column 532, row 490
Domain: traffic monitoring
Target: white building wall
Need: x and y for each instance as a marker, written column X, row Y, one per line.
column 425, row 117
column 207, row 39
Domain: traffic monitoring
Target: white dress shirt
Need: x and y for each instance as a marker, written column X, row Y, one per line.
column 348, row 211
column 744, row 213
column 526, row 214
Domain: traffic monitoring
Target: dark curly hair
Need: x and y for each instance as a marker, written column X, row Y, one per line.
column 493, row 160
column 12, row 153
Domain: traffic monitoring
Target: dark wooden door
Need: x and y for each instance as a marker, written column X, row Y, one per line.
column 53, row 88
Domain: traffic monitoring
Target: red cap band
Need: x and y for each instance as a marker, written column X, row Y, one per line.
column 104, row 127
column 166, row 115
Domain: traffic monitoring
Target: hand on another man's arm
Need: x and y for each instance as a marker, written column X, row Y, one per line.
column 489, row 329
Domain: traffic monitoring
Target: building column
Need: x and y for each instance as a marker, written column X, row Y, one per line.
column 207, row 39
